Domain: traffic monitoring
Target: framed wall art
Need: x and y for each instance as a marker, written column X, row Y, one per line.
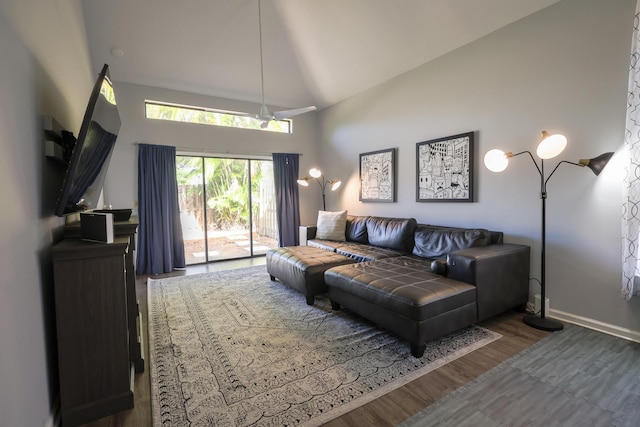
column 378, row 176
column 444, row 169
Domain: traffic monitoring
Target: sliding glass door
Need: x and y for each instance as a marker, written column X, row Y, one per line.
column 227, row 207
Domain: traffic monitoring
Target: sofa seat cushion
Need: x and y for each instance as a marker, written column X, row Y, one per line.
column 402, row 285
column 362, row 253
column 327, row 245
column 357, row 251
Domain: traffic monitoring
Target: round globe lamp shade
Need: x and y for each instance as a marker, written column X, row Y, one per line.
column 314, row 172
column 496, row 160
column 551, row 145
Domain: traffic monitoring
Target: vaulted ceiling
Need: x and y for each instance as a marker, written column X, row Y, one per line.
column 316, row 52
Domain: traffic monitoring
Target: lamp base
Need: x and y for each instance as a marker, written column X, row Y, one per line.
column 543, row 323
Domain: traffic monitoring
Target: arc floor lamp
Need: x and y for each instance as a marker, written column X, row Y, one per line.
column 316, row 174
column 549, row 147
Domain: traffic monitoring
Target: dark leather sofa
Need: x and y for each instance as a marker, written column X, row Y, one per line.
column 420, row 281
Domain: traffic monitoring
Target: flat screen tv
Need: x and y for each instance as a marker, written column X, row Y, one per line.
column 92, row 151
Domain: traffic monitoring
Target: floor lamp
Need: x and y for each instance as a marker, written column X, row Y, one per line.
column 317, row 175
column 550, row 146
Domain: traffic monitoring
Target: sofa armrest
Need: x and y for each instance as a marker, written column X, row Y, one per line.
column 439, row 266
column 307, row 232
column 499, row 272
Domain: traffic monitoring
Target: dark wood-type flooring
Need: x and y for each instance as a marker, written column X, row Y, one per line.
column 388, row 410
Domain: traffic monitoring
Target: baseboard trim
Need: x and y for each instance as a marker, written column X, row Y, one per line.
column 596, row 325
column 54, row 416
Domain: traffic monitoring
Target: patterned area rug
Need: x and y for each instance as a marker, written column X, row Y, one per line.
column 233, row 348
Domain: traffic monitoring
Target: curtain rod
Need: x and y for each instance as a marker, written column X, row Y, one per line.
column 228, row 152
column 191, row 150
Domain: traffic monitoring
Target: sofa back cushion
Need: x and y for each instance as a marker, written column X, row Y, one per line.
column 357, row 229
column 392, row 233
column 331, row 225
column 434, row 242
column 497, row 237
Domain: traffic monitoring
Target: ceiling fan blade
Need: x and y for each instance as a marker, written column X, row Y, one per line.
column 285, row 114
column 241, row 114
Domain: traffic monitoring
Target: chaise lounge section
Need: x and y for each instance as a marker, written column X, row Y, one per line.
column 404, row 296
column 418, row 281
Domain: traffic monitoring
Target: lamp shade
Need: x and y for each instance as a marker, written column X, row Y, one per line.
column 303, row 181
column 315, row 173
column 597, row 163
column 335, row 185
column 496, row 160
column 551, row 145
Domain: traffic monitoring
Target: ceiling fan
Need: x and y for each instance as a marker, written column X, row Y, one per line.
column 265, row 116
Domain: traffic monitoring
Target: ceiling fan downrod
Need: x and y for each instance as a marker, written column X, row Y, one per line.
column 265, row 115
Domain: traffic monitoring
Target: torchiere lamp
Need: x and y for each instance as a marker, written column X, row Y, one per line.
column 550, row 146
column 315, row 173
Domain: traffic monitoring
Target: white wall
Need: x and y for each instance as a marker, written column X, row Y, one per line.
column 44, row 70
column 121, row 189
column 563, row 69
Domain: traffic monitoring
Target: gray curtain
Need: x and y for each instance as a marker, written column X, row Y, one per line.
column 160, row 244
column 285, row 175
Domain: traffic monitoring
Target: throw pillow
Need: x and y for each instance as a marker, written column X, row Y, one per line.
column 331, row 225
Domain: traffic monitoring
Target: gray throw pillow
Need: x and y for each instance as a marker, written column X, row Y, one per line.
column 331, row 225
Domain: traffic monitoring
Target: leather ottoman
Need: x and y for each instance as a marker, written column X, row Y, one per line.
column 302, row 268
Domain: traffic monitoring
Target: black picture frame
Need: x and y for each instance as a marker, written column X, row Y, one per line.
column 444, row 169
column 378, row 176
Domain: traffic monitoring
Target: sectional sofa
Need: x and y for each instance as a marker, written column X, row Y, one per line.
column 418, row 281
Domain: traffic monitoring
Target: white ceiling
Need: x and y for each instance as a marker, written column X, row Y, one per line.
column 316, row 52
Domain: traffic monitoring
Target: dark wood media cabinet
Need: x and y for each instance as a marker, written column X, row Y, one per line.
column 98, row 323
column 128, row 229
